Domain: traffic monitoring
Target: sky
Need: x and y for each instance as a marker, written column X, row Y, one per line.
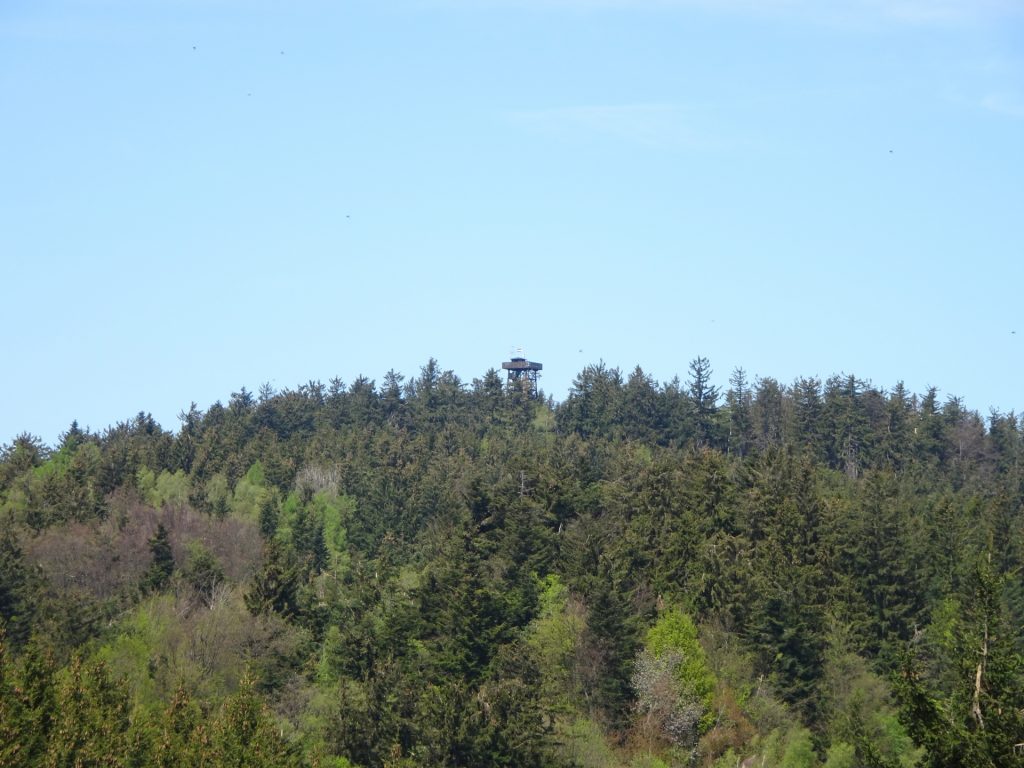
column 201, row 195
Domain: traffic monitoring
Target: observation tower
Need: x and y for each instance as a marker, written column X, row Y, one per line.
column 523, row 373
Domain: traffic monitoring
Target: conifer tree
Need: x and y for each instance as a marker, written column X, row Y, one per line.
column 979, row 721
column 269, row 516
column 275, row 586
column 16, row 600
column 244, row 734
column 738, row 400
column 614, row 640
column 183, row 736
column 162, row 568
column 704, row 399
column 91, row 725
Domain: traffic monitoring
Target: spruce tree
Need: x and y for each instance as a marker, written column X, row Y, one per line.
column 244, row 734
column 159, row 573
column 614, row 639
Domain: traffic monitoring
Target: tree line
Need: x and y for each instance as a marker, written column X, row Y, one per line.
column 429, row 572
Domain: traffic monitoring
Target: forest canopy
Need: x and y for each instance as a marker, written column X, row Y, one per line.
column 432, row 572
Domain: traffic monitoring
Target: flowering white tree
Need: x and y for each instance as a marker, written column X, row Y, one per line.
column 668, row 710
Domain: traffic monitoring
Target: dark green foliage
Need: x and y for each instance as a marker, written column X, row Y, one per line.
column 308, row 539
column 786, row 618
column 594, row 406
column 613, row 640
column 16, row 599
column 183, row 734
column 499, row 723
column 704, row 398
column 738, row 401
column 875, row 555
column 395, row 617
column 202, row 572
column 976, row 719
column 468, row 616
column 23, row 454
column 162, row 568
column 245, row 735
column 93, row 724
column 28, row 702
column 269, row 516
column 276, row 586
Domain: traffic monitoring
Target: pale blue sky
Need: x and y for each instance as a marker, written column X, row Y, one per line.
column 200, row 195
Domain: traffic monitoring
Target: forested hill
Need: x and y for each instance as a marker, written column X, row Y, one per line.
column 430, row 573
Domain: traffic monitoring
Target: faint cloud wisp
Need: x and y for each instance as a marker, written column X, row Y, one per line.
column 656, row 125
column 1004, row 104
column 913, row 12
column 943, row 11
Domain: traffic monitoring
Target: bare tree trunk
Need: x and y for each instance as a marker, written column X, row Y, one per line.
column 976, row 704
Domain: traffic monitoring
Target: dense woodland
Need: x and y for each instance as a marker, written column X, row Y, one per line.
column 429, row 572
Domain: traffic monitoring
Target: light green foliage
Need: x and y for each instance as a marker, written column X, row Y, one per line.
column 841, row 755
column 943, row 636
column 728, row 759
column 330, row 647
column 334, row 511
column 647, row 761
column 172, row 489
column 249, row 493
column 14, row 505
column 583, row 743
column 859, row 709
column 318, row 728
column 165, row 489
column 799, row 751
column 895, row 737
column 130, row 653
column 218, row 494
column 289, row 511
column 675, row 632
column 790, row 748
column 168, row 642
column 730, row 663
column 544, row 420
column 145, row 482
column 554, row 635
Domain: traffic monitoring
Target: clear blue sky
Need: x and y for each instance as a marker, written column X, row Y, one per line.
column 200, row 195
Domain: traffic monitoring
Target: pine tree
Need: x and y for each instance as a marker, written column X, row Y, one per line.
column 876, row 555
column 244, row 734
column 184, row 738
column 704, row 399
column 614, row 639
column 978, row 722
column 16, row 602
column 162, row 568
column 202, row 572
column 741, row 425
column 269, row 516
column 308, row 539
column 275, row 586
column 787, row 613
column 91, row 725
column 808, row 415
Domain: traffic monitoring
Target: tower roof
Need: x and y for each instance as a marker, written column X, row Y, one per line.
column 521, row 364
